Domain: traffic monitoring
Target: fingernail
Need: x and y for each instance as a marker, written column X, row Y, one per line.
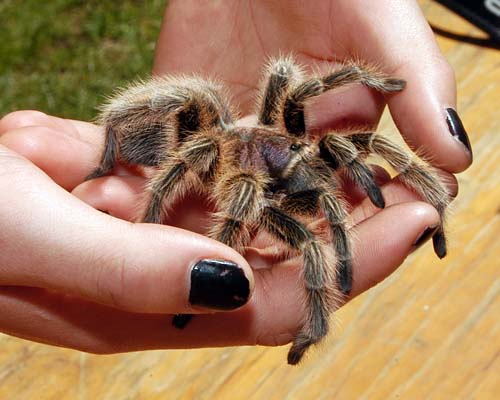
column 425, row 236
column 457, row 129
column 181, row 320
column 218, row 285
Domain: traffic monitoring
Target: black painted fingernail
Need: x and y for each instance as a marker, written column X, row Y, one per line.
column 425, row 236
column 218, row 285
column 457, row 129
column 181, row 320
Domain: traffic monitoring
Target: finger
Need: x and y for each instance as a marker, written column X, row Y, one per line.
column 70, row 247
column 67, row 150
column 405, row 45
column 65, row 158
column 119, row 196
column 355, row 107
column 125, row 197
column 392, row 242
column 84, row 131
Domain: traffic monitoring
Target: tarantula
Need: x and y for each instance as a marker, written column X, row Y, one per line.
column 266, row 176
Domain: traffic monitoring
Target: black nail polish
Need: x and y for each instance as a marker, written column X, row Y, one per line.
column 181, row 320
column 457, row 128
column 425, row 236
column 218, row 285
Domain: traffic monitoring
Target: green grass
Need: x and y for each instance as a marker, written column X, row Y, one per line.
column 64, row 56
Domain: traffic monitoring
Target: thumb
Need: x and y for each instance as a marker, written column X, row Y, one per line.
column 51, row 239
column 425, row 111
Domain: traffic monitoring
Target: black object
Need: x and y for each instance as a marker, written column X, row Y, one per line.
column 425, row 236
column 485, row 14
column 181, row 320
column 457, row 128
column 218, row 285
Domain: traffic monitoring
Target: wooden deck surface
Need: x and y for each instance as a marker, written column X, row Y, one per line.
column 431, row 331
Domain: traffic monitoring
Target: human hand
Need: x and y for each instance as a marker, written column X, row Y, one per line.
column 75, row 277
column 232, row 40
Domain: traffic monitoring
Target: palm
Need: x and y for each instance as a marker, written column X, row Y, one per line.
column 233, row 40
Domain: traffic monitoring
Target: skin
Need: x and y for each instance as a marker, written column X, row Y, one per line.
column 66, row 269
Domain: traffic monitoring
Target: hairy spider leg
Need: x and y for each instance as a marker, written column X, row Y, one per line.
column 145, row 122
column 420, row 177
column 293, row 106
column 281, row 74
column 240, row 199
column 196, row 159
column 338, row 151
column 320, row 290
column 168, row 185
column 109, row 155
column 316, row 190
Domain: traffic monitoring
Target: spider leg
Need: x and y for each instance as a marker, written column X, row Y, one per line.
column 316, row 275
column 240, row 199
column 312, row 187
column 197, row 158
column 309, row 202
column 420, row 177
column 335, row 214
column 293, row 106
column 144, row 122
column 281, row 73
column 109, row 155
column 166, row 186
column 339, row 151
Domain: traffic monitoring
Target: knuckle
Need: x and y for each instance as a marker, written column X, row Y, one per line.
column 447, row 70
column 30, row 143
column 111, row 283
column 273, row 339
column 20, row 119
column 440, row 67
column 104, row 280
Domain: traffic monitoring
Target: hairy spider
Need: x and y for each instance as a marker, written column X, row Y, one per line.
column 266, row 176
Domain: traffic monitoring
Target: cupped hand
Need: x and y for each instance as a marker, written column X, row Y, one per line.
column 74, row 276
column 232, row 40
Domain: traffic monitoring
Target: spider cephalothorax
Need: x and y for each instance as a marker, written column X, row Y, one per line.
column 264, row 176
